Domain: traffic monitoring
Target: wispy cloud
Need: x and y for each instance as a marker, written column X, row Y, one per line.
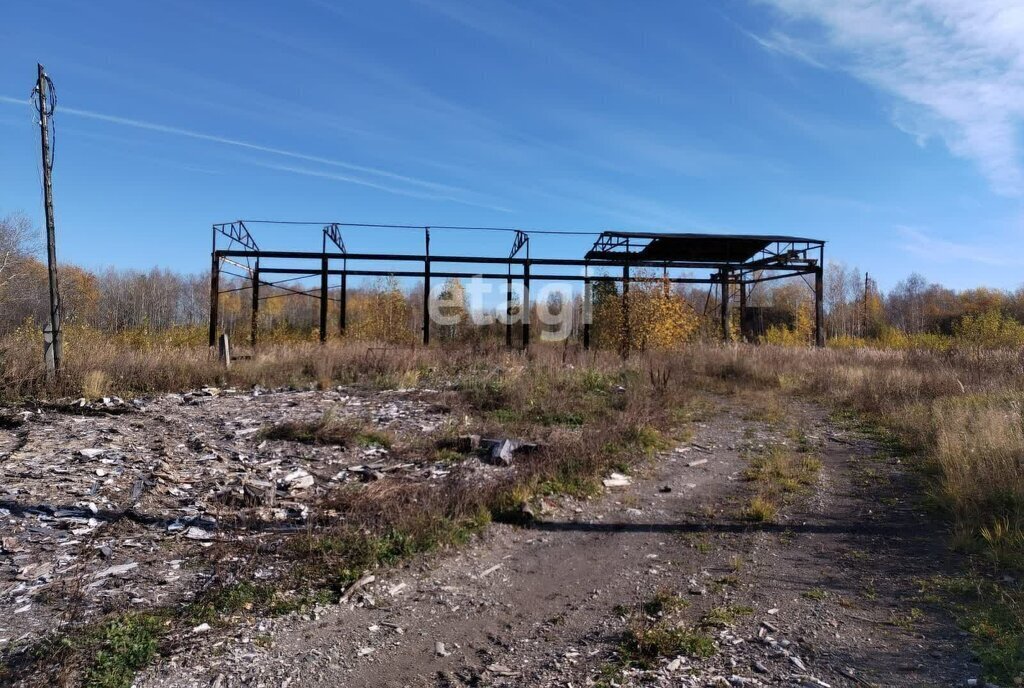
column 321, row 174
column 935, row 249
column 959, row 64
column 427, row 189
column 784, row 44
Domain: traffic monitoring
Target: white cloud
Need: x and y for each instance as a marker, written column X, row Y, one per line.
column 959, row 63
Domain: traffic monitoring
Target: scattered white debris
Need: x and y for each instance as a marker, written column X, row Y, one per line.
column 115, row 570
column 197, row 533
column 501, row 670
column 354, row 588
column 299, row 479
column 484, row 574
column 617, row 480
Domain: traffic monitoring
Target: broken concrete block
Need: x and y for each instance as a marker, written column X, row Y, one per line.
column 617, row 480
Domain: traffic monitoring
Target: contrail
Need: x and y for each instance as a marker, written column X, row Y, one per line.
column 371, row 184
column 178, row 131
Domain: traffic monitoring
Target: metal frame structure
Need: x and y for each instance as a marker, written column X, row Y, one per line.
column 734, row 263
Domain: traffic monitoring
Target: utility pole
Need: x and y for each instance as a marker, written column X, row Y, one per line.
column 44, row 87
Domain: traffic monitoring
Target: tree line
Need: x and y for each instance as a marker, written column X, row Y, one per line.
column 659, row 314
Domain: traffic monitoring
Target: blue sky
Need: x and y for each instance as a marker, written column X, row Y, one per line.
column 888, row 128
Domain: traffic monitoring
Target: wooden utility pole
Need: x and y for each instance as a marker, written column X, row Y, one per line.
column 44, row 87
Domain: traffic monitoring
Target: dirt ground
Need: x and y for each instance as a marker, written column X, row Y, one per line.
column 826, row 595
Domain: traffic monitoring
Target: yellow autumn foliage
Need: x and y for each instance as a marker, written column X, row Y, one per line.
column 657, row 317
column 381, row 314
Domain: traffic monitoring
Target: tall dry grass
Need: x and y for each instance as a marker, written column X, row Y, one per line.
column 960, row 410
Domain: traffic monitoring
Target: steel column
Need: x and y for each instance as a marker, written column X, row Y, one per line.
column 426, row 286
column 254, row 326
column 724, row 276
column 626, row 333
column 324, row 293
column 819, row 306
column 743, row 307
column 214, row 296
column 588, row 310
column 508, row 309
column 343, row 301
column 525, row 308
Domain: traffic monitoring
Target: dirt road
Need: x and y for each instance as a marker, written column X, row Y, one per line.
column 824, row 595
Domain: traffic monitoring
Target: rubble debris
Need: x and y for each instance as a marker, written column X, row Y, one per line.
column 116, row 570
column 501, row 452
column 484, row 574
column 299, row 479
column 197, row 533
column 698, row 462
column 463, row 444
column 617, row 480
column 355, row 587
column 123, row 501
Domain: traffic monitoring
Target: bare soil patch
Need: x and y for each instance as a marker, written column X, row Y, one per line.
column 825, row 592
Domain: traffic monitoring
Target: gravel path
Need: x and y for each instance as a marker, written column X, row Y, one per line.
column 825, row 595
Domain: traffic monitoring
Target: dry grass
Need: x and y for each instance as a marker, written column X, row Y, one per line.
column 778, row 472
column 959, row 412
column 762, row 509
column 328, row 431
column 591, row 414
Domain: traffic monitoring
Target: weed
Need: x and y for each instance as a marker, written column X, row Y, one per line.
column 724, row 616
column 663, row 603
column 216, row 603
column 908, row 619
column 644, row 643
column 126, row 644
column 95, row 384
column 373, row 438
column 727, row 582
column 448, row 456
column 761, row 510
column 777, row 468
